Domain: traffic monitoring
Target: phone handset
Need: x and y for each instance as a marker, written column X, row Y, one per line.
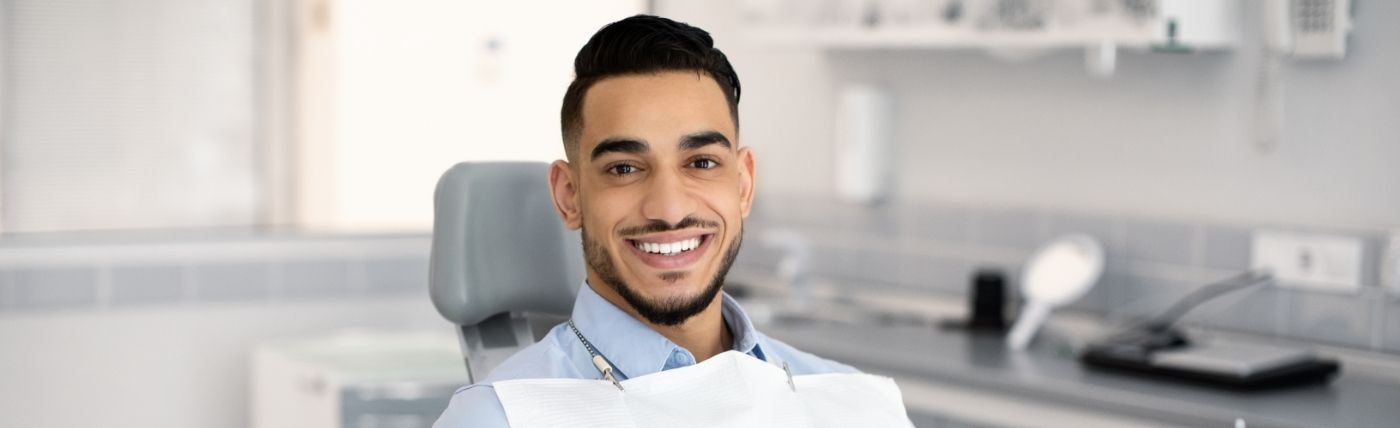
column 1308, row 29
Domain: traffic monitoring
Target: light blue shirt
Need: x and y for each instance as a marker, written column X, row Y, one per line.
column 633, row 349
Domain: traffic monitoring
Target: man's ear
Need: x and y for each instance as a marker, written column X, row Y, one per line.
column 563, row 187
column 746, row 180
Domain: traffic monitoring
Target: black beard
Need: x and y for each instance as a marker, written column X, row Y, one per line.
column 668, row 312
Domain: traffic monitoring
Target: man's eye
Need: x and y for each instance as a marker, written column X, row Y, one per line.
column 704, row 163
column 622, row 169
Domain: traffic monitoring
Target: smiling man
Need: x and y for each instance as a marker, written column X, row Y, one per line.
column 659, row 184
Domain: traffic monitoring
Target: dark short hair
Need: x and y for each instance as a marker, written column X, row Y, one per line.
column 643, row 44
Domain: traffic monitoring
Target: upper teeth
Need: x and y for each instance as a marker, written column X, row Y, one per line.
column 669, row 247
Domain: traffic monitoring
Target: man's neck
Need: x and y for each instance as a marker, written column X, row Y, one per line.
column 705, row 334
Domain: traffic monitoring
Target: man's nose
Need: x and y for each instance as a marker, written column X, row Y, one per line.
column 668, row 199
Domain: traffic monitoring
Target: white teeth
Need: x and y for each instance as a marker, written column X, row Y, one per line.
column 669, row 248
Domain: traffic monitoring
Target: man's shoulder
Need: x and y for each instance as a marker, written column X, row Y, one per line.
column 799, row 361
column 476, row 405
column 545, row 359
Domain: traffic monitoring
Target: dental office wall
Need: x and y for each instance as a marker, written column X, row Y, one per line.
column 157, row 334
column 1159, row 162
column 167, row 114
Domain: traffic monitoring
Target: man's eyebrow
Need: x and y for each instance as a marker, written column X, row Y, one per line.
column 704, row 138
column 619, row 145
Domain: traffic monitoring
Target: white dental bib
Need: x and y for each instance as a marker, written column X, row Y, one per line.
column 728, row 390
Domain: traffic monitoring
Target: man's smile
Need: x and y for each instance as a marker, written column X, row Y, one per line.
column 671, row 250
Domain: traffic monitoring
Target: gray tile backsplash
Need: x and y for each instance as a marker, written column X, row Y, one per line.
column 1390, row 329
column 1102, row 229
column 1160, row 242
column 134, row 285
column 883, row 266
column 1148, row 296
column 837, row 262
column 394, row 275
column 139, row 275
column 934, row 222
column 802, row 211
column 1256, row 310
column 1227, row 247
column 756, row 253
column 51, row 288
column 1100, row 298
column 1008, row 228
column 315, row 278
column 1151, row 263
column 939, row 274
column 880, row 221
column 243, row 281
column 1340, row 319
column 1372, row 247
column 911, row 244
column 6, row 293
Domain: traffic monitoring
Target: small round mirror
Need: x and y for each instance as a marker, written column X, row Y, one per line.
column 1057, row 274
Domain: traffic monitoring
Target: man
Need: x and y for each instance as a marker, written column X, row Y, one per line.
column 659, row 185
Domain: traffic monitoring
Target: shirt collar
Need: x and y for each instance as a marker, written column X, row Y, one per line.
column 637, row 350
column 745, row 336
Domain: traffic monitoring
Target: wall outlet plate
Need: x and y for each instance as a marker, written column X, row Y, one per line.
column 1309, row 261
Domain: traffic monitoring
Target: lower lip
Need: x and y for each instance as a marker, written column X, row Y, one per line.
column 673, row 262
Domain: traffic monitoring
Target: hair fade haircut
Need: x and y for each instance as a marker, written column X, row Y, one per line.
column 643, row 44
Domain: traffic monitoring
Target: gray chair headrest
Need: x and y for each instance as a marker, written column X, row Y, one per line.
column 499, row 246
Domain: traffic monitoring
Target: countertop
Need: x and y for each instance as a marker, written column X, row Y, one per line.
column 981, row 361
column 1365, row 394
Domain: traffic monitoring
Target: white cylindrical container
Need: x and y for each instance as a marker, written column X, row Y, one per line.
column 1390, row 263
column 864, row 143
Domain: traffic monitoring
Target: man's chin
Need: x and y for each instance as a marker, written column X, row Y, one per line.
column 660, row 289
column 665, row 303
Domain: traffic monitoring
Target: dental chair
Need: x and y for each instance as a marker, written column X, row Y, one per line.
column 503, row 267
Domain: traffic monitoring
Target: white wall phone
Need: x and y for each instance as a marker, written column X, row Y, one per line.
column 1308, row 29
column 1296, row 30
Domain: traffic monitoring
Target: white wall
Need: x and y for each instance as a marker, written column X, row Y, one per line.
column 130, row 115
column 421, row 85
column 1168, row 136
column 169, row 366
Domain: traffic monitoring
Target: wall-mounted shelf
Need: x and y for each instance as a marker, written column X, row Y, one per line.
column 1161, row 25
column 917, row 38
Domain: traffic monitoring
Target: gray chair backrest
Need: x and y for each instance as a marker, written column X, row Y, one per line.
column 500, row 251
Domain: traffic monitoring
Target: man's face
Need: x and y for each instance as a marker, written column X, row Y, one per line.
column 660, row 188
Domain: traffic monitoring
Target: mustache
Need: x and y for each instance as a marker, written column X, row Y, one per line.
column 657, row 226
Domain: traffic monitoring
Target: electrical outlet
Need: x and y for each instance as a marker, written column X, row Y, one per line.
column 1312, row 261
